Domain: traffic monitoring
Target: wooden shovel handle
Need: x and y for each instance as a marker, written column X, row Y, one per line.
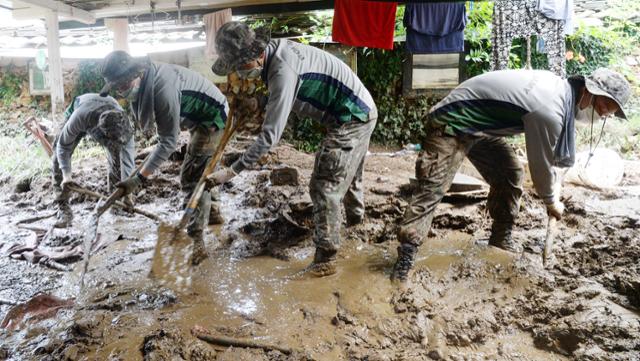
column 229, row 129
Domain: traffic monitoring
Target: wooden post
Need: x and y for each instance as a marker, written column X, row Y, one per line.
column 55, row 65
column 120, row 29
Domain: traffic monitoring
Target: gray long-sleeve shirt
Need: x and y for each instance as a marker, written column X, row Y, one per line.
column 82, row 117
column 510, row 102
column 183, row 99
column 312, row 83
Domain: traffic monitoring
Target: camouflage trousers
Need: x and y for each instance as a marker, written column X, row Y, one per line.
column 121, row 165
column 438, row 163
column 337, row 180
column 202, row 145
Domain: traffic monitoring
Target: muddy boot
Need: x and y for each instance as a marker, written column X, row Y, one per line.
column 354, row 220
column 199, row 251
column 215, row 217
column 64, row 216
column 501, row 237
column 404, row 263
column 324, row 263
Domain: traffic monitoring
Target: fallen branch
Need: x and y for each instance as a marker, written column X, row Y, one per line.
column 4, row 301
column 35, row 218
column 55, row 265
column 205, row 335
column 120, row 204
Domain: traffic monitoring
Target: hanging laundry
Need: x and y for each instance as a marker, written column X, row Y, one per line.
column 558, row 10
column 520, row 19
column 435, row 27
column 364, row 23
column 213, row 22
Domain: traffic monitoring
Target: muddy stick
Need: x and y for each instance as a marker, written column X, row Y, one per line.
column 204, row 335
column 547, row 255
column 120, row 204
column 35, row 218
column 4, row 301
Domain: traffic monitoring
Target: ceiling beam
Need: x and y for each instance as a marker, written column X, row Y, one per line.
column 64, row 10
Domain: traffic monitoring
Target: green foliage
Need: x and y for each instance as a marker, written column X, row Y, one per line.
column 11, row 86
column 477, row 35
column 88, row 78
column 400, row 120
column 304, row 133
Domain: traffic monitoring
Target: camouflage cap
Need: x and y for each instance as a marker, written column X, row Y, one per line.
column 237, row 44
column 118, row 66
column 115, row 126
column 610, row 84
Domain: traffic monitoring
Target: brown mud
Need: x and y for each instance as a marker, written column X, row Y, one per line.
column 465, row 301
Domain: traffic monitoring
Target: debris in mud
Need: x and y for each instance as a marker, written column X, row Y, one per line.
column 37, row 308
column 169, row 344
column 130, row 298
column 23, row 185
column 285, row 176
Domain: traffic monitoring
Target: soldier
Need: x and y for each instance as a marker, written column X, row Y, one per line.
column 472, row 121
column 173, row 98
column 107, row 123
column 309, row 82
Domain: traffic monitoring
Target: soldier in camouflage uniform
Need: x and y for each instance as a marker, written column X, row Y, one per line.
column 472, row 121
column 107, row 123
column 311, row 83
column 173, row 98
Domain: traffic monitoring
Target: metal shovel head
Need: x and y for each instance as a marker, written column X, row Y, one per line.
column 171, row 264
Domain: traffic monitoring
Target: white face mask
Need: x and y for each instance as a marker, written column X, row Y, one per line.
column 588, row 114
column 249, row 73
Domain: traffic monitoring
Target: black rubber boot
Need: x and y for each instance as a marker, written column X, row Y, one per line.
column 64, row 216
column 501, row 237
column 199, row 251
column 324, row 263
column 354, row 220
column 404, row 263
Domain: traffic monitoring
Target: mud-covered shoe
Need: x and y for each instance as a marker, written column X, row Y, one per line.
column 199, row 251
column 507, row 244
column 324, row 263
column 215, row 217
column 404, row 263
column 354, row 220
column 64, row 216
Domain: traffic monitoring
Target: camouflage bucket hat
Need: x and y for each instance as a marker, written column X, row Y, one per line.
column 115, row 126
column 610, row 84
column 237, row 44
column 118, row 66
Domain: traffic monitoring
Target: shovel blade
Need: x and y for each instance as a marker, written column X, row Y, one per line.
column 171, row 264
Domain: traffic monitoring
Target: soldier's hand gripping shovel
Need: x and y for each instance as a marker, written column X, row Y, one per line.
column 171, row 265
column 91, row 236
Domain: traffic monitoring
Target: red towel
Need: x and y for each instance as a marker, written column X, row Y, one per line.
column 364, row 23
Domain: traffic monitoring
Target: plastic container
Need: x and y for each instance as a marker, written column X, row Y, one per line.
column 604, row 170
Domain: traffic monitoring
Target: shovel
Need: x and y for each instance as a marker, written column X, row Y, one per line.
column 93, row 229
column 171, row 265
column 547, row 254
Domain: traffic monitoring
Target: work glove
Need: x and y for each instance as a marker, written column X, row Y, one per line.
column 221, row 176
column 67, row 180
column 131, row 184
column 555, row 209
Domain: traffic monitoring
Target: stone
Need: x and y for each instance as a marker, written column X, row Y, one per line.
column 435, row 354
column 286, row 176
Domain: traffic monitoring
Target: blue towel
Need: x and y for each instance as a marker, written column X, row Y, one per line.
column 435, row 27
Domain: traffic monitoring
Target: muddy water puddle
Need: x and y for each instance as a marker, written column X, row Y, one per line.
column 263, row 298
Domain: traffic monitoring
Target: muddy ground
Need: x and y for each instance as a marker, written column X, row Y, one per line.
column 466, row 301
